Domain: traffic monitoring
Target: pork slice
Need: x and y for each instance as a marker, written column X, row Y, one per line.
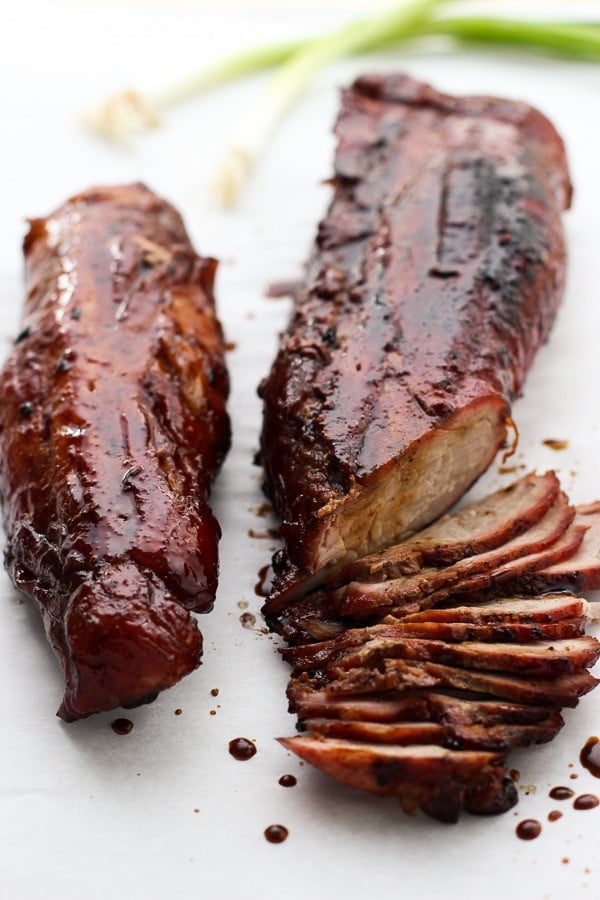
column 461, row 711
column 403, row 733
column 510, row 609
column 495, row 581
column 544, row 658
column 363, row 598
column 476, row 528
column 479, row 737
column 506, row 632
column 307, row 701
column 323, row 654
column 400, row 674
column 453, row 708
column 579, row 572
column 439, row 781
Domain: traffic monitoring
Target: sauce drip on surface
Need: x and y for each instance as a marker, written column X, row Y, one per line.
column 561, row 793
column 121, row 726
column 555, row 444
column 590, row 756
column 554, row 814
column 262, row 588
column 528, row 829
column 276, row 834
column 242, row 748
column 248, row 620
column 586, row 801
column 288, row 780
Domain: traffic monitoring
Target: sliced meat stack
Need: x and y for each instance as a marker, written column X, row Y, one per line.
column 433, row 671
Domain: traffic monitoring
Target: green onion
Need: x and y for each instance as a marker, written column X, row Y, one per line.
column 121, row 117
column 576, row 41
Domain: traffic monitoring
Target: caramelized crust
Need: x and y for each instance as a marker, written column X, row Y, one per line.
column 112, row 428
column 435, row 277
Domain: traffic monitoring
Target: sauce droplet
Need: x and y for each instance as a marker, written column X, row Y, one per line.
column 248, row 620
column 561, row 793
column 178, row 712
column 262, row 588
column 241, row 748
column 276, row 834
column 528, row 829
column 515, row 774
column 288, row 780
column 586, row 801
column 121, row 726
column 214, row 692
column 554, row 815
column 555, row 444
column 590, row 756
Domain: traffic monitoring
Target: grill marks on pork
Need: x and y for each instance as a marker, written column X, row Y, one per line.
column 435, row 276
column 112, row 428
column 449, row 664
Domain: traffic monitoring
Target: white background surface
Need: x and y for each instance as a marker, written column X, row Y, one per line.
column 86, row 813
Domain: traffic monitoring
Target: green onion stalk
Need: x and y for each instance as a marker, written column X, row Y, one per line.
column 296, row 63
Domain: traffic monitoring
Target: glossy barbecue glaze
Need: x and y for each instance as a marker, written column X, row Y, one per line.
column 435, row 277
column 112, row 427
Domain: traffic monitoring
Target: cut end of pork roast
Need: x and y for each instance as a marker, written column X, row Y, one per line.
column 434, row 278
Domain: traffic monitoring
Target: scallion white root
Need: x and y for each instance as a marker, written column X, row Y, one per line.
column 124, row 116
